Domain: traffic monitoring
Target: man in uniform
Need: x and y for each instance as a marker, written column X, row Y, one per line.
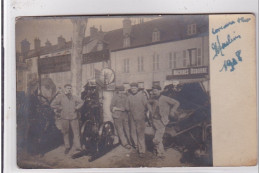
column 160, row 107
column 137, row 106
column 120, row 116
column 68, row 105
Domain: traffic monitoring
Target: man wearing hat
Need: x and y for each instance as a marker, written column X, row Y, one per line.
column 68, row 104
column 120, row 116
column 160, row 107
column 137, row 106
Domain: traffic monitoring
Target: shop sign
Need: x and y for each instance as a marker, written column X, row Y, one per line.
column 192, row 72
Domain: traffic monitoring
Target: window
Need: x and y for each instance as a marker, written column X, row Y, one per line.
column 193, row 57
column 126, row 65
column 170, row 61
column 192, row 29
column 199, row 56
column 29, row 63
column 140, row 84
column 100, row 46
column 126, row 42
column 140, row 64
column 156, row 64
column 104, row 64
column 156, row 35
column 186, row 62
column 174, row 60
column 156, row 83
column 92, row 70
column 20, row 59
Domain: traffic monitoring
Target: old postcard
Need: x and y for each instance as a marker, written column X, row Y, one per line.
column 136, row 91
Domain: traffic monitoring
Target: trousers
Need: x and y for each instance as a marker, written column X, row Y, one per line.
column 65, row 129
column 138, row 133
column 122, row 126
column 158, row 136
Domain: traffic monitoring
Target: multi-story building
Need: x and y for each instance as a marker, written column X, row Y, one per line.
column 163, row 50
column 53, row 61
column 153, row 52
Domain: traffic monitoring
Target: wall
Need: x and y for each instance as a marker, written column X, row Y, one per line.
column 149, row 75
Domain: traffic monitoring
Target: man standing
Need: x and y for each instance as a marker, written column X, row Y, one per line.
column 68, row 105
column 120, row 116
column 137, row 105
column 160, row 107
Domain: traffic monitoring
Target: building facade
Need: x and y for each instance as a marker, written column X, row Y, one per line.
column 159, row 51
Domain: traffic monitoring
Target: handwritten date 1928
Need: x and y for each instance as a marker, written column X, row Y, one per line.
column 231, row 63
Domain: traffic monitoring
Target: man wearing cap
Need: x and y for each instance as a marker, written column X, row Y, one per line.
column 120, row 116
column 160, row 107
column 137, row 106
column 68, row 104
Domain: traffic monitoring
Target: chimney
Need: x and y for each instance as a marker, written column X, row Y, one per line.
column 25, row 46
column 37, row 44
column 48, row 43
column 93, row 32
column 127, row 26
column 61, row 41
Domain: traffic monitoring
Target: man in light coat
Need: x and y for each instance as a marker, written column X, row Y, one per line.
column 160, row 107
column 137, row 106
column 68, row 105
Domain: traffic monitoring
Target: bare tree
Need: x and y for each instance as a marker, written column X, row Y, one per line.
column 79, row 28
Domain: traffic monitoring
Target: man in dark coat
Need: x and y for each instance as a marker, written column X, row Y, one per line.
column 137, row 106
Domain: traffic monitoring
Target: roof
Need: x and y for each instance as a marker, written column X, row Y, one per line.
column 53, row 48
column 171, row 27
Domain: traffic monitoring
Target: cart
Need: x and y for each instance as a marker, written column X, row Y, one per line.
column 190, row 130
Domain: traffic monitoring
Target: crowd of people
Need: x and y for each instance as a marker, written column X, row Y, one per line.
column 129, row 111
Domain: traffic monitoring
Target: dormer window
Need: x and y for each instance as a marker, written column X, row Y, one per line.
column 126, row 41
column 156, row 35
column 100, row 46
column 192, row 29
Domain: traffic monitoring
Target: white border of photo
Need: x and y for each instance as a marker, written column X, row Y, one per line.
column 15, row 8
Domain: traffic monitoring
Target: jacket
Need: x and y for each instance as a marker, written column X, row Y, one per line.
column 119, row 101
column 137, row 105
column 68, row 107
column 167, row 104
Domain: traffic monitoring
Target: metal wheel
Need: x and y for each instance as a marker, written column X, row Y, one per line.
column 107, row 133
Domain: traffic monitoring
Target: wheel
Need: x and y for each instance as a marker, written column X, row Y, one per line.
column 89, row 136
column 107, row 133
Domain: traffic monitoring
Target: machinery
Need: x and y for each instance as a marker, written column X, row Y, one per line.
column 36, row 129
column 190, row 130
column 97, row 135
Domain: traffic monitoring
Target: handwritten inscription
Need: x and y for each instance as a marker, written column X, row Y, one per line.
column 231, row 63
column 222, row 43
column 219, row 46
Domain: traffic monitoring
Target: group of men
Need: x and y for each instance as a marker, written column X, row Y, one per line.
column 129, row 111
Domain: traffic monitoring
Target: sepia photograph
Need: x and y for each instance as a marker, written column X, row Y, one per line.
column 113, row 91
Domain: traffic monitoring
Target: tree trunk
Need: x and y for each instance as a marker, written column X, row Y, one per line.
column 79, row 27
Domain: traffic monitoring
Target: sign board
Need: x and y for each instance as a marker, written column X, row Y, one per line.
column 54, row 64
column 185, row 73
column 97, row 56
